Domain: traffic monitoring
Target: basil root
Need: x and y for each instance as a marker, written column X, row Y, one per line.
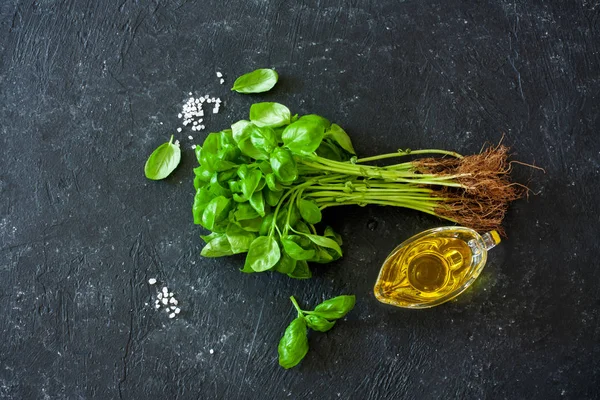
column 293, row 346
column 262, row 185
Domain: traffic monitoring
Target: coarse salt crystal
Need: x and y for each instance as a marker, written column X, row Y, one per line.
column 172, row 300
column 179, row 115
column 211, row 351
column 222, row 81
column 177, row 310
column 165, row 301
column 219, row 74
column 190, row 93
column 159, row 296
column 190, row 137
column 193, row 147
column 157, row 306
column 173, row 308
column 209, row 101
column 172, row 315
column 215, row 110
column 165, row 289
column 152, row 281
column 178, row 129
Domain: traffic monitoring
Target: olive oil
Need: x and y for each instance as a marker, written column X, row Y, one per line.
column 433, row 267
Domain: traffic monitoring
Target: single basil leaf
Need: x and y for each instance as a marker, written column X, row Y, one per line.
column 257, row 202
column 263, row 138
column 238, row 238
column 303, row 137
column 263, row 254
column 309, row 211
column 238, row 129
column 286, row 264
column 265, row 226
column 336, row 307
column 301, row 271
column 201, row 199
column 330, row 233
column 250, row 182
column 271, row 197
column 269, row 114
column 163, row 161
column 246, row 144
column 216, row 211
column 316, row 119
column 272, row 183
column 324, row 242
column 210, row 237
column 218, row 247
column 317, row 323
column 331, row 151
column 295, row 251
column 204, row 173
column 198, row 151
column 258, row 81
column 284, row 166
column 293, row 346
column 265, row 167
column 245, row 211
column 341, row 138
column 251, row 225
column 322, row 256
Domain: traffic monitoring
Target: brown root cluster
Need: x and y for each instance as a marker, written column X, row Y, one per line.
column 486, row 191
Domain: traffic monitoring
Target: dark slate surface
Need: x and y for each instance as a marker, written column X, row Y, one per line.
column 88, row 91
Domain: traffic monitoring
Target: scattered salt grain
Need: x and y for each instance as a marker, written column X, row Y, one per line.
column 177, row 310
column 152, row 281
column 172, row 315
column 179, row 115
column 190, row 137
column 190, row 93
column 165, row 301
column 193, row 147
column 219, row 74
column 159, row 296
column 178, row 129
column 222, row 81
column 211, row 351
column 157, row 306
column 165, row 290
column 171, row 294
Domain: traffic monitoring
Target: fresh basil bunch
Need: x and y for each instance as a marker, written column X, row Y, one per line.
column 249, row 190
column 293, row 346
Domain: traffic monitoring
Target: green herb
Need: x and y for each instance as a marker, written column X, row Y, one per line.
column 163, row 161
column 293, row 346
column 263, row 185
column 261, row 80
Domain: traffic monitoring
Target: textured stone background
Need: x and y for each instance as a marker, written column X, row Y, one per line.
column 89, row 89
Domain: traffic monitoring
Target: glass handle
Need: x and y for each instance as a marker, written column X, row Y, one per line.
column 490, row 239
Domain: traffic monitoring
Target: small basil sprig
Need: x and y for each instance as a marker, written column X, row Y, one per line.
column 259, row 81
column 293, row 346
column 163, row 161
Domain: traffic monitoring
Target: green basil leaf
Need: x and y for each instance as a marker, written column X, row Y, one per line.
column 258, row 81
column 317, row 323
column 286, row 264
column 238, row 238
column 269, row 114
column 238, row 128
column 263, row 138
column 293, row 346
column 265, row 226
column 250, row 182
column 271, row 197
column 162, row 161
column 301, row 271
column 210, row 237
column 336, row 307
column 216, row 211
column 218, row 247
column 251, row 225
column 324, row 242
column 316, row 119
column 303, row 137
column 263, row 254
column 331, row 151
column 309, row 211
column 257, row 202
column 330, row 233
column 295, row 251
column 284, row 166
column 245, row 211
column 272, row 183
column 198, row 151
column 322, row 256
column 201, row 200
column 341, row 138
